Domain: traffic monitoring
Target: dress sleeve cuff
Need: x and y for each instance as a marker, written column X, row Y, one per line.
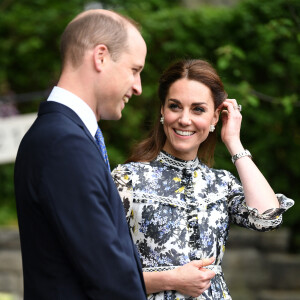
column 273, row 213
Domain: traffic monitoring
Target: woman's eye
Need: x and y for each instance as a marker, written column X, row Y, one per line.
column 199, row 109
column 173, row 106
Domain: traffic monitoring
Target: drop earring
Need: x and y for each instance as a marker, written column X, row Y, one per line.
column 212, row 128
column 162, row 119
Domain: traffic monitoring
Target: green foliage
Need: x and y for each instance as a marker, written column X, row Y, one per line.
column 29, row 39
column 130, row 5
column 7, row 204
column 253, row 45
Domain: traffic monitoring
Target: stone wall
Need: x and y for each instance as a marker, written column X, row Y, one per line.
column 257, row 266
column 11, row 279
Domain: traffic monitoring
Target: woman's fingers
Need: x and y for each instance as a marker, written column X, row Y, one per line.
column 231, row 106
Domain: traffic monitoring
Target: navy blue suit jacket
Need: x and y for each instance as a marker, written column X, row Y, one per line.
column 75, row 241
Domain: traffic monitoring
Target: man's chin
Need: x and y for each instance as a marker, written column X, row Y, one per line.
column 114, row 117
column 118, row 117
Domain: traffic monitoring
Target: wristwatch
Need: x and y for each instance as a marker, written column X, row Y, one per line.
column 235, row 157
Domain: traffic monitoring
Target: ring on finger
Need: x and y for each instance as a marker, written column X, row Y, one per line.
column 239, row 107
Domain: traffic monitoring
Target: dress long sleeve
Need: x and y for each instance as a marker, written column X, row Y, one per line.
column 122, row 178
column 249, row 217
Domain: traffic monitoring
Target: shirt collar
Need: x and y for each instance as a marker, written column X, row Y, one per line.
column 75, row 103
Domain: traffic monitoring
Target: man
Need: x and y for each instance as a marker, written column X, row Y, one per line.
column 74, row 238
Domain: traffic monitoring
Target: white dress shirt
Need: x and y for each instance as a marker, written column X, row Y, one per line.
column 75, row 103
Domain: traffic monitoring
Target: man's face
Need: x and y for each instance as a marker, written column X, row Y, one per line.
column 122, row 78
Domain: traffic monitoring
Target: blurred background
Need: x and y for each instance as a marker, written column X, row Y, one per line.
column 253, row 44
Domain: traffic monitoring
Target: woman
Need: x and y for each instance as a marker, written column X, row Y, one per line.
column 178, row 207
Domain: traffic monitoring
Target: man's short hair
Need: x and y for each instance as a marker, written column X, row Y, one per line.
column 91, row 29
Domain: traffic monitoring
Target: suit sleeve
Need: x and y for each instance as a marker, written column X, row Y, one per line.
column 83, row 206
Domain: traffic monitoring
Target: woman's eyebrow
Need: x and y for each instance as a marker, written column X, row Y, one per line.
column 174, row 100
column 195, row 103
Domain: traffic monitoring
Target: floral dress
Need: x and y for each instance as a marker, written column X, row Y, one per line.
column 179, row 211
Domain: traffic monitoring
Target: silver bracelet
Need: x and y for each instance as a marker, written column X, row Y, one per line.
column 235, row 157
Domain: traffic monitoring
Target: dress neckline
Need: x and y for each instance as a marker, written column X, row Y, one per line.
column 173, row 161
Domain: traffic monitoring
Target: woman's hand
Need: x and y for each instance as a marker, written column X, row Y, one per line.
column 231, row 125
column 191, row 279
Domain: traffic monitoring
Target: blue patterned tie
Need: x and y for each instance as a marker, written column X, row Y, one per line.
column 100, row 141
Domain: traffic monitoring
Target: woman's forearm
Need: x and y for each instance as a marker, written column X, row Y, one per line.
column 158, row 281
column 258, row 192
column 190, row 279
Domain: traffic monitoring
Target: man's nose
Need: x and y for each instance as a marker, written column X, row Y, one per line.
column 137, row 86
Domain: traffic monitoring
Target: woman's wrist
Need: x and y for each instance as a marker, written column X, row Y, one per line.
column 159, row 281
column 171, row 277
column 239, row 155
column 234, row 147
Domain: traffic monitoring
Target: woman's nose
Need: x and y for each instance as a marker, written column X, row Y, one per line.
column 185, row 119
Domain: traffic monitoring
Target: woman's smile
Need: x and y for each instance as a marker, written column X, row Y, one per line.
column 184, row 132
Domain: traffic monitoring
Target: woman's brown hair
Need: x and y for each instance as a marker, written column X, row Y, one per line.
column 193, row 69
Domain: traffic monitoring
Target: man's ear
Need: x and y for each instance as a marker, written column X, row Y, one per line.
column 100, row 56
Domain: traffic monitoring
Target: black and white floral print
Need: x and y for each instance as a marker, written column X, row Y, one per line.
column 179, row 211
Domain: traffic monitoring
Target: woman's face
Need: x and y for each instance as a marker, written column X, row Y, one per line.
column 188, row 113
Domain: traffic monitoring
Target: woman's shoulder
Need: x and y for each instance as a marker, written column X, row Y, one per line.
column 215, row 172
column 131, row 167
